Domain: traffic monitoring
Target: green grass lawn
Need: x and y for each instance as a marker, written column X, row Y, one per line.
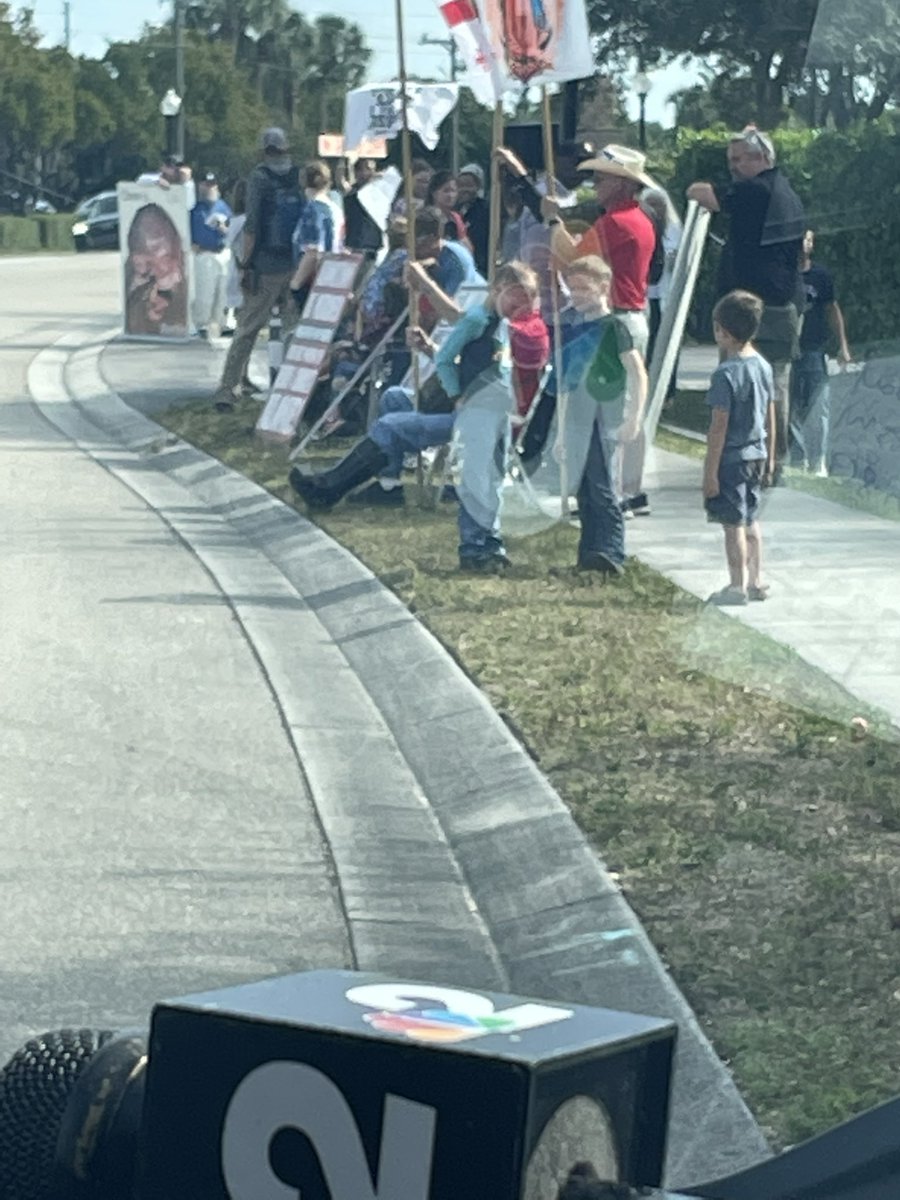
column 757, row 840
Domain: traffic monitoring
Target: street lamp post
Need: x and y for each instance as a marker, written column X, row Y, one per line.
column 641, row 85
column 170, row 107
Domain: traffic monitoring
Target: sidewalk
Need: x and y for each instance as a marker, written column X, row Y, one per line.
column 834, row 574
column 834, row 571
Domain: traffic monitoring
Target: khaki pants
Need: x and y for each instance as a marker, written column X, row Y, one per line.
column 252, row 316
column 778, row 343
column 631, row 455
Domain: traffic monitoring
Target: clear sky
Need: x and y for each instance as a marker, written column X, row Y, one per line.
column 96, row 22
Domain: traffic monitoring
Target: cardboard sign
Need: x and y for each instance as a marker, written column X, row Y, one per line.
column 308, row 348
column 331, row 145
column 155, row 241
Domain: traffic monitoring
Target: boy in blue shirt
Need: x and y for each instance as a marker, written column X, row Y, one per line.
column 740, row 446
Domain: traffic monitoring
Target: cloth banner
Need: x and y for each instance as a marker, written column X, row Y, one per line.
column 539, row 41
column 374, row 111
column 485, row 74
column 155, row 240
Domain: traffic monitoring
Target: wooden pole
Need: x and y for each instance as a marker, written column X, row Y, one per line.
column 561, row 396
column 494, row 226
column 406, row 151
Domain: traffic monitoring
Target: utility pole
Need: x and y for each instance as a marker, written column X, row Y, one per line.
column 450, row 45
column 67, row 24
column 179, row 75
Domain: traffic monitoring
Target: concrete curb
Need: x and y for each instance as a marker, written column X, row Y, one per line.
column 460, row 863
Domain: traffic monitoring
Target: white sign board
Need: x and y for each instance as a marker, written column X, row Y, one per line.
column 307, row 350
column 155, row 241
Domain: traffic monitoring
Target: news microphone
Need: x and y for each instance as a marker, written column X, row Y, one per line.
column 70, row 1114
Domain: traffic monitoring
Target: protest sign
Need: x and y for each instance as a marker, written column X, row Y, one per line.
column 308, row 348
column 375, row 111
column 155, row 240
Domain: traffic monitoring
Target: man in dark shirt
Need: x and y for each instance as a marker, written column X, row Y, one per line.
column 810, row 398
column 475, row 211
column 274, row 205
column 762, row 255
column 361, row 230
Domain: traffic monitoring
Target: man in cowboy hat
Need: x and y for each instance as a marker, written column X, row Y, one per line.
column 624, row 236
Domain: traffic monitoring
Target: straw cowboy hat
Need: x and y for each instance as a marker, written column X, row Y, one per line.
column 619, row 160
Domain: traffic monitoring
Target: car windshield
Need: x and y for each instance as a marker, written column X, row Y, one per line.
column 103, row 208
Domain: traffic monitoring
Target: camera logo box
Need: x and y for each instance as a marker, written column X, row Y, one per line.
column 335, row 1085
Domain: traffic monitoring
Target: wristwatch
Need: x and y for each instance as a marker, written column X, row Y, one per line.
column 555, row 221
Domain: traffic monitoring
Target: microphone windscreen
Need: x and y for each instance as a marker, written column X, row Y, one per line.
column 35, row 1087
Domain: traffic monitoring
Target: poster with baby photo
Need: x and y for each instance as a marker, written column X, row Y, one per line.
column 154, row 237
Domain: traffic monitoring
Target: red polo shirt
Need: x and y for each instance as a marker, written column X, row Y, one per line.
column 624, row 236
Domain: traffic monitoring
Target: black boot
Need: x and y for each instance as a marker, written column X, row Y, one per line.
column 324, row 491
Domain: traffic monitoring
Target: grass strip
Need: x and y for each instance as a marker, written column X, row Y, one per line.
column 754, row 832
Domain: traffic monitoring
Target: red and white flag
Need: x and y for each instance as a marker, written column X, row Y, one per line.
column 484, row 71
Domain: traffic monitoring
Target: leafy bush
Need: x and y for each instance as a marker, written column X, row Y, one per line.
column 19, row 235
column 55, row 231
column 44, row 231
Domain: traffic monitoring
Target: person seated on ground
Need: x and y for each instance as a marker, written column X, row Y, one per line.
column 468, row 352
column 442, row 194
column 605, row 383
column 446, row 266
column 475, row 212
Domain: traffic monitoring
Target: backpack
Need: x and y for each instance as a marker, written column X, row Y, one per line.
column 281, row 209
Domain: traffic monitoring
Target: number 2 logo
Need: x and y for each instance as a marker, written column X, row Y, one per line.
column 426, row 1013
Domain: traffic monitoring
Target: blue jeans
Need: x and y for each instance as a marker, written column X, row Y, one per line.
column 810, row 407
column 602, row 523
column 475, row 542
column 395, row 399
column 407, row 432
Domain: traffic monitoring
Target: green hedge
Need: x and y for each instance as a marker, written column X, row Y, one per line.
column 850, row 185
column 25, row 235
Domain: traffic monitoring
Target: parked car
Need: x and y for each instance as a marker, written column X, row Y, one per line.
column 97, row 224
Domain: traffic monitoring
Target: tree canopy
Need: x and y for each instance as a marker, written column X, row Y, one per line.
column 76, row 125
column 820, row 61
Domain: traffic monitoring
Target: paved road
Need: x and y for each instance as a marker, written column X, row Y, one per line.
column 211, row 774
column 157, row 833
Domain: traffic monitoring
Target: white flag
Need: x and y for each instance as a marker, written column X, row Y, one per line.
column 374, row 111
column 484, row 72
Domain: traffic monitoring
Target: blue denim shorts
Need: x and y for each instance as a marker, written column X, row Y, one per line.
column 740, row 485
